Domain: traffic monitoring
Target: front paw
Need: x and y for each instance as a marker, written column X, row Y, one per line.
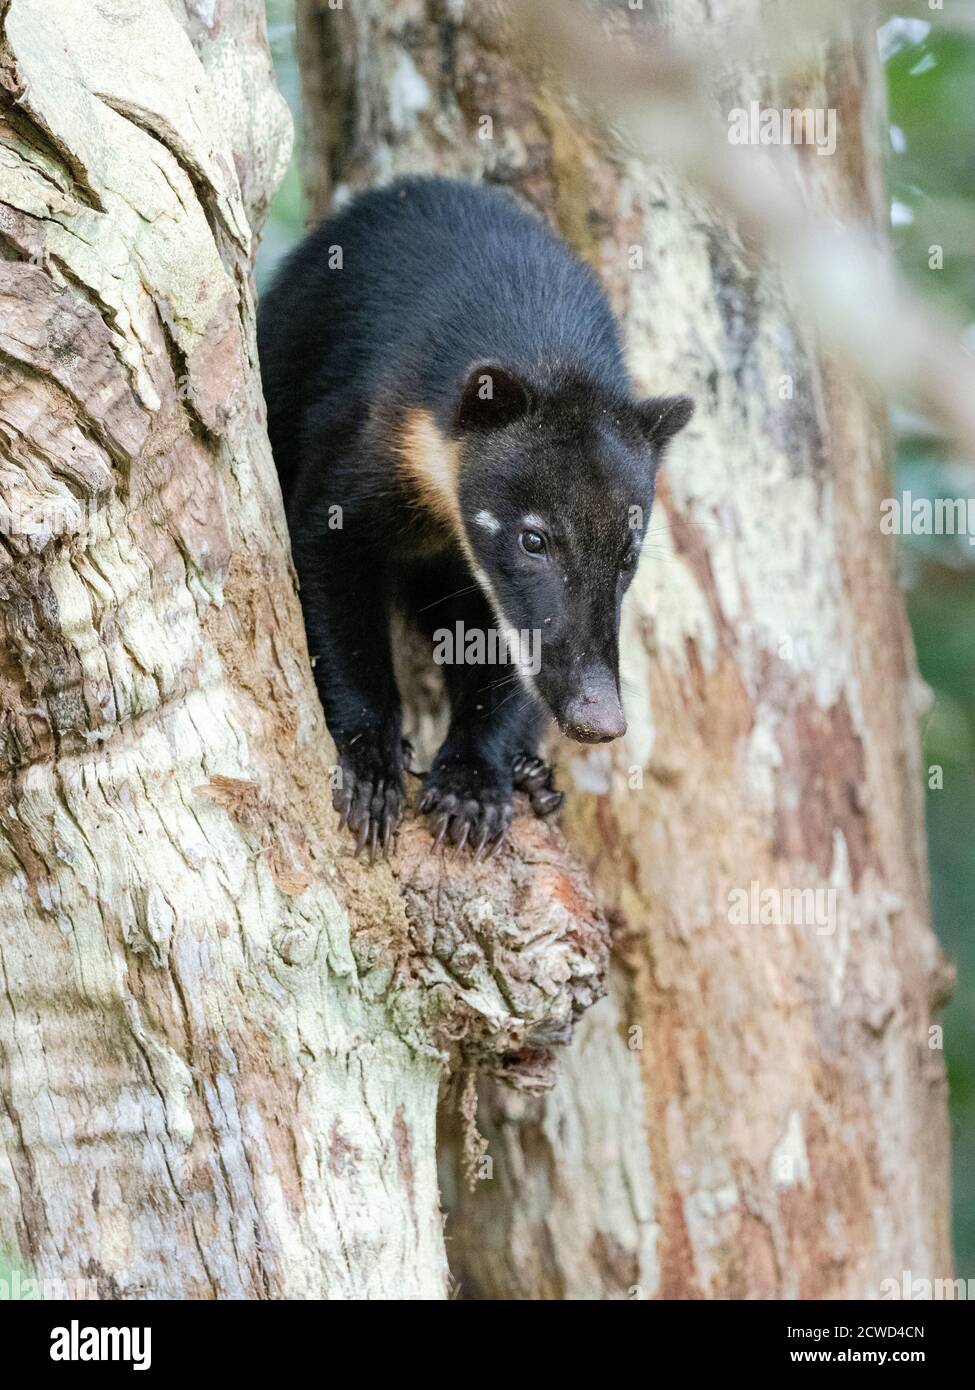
column 537, row 780
column 369, row 796
column 468, row 804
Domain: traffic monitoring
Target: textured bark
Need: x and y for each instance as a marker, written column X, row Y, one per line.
column 221, row 1039
column 755, row 1111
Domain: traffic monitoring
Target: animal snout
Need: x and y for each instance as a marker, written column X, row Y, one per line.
column 595, row 715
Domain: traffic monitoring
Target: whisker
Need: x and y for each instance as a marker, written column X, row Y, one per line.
column 501, row 681
column 456, row 594
column 517, row 691
column 672, row 525
column 661, row 555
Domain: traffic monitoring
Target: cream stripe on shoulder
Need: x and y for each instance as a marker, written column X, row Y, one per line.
column 430, row 463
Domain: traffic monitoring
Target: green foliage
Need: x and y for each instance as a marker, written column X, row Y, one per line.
column 931, row 86
column 931, row 89
column 286, row 217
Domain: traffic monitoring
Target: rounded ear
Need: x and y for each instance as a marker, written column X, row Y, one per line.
column 493, row 396
column 663, row 416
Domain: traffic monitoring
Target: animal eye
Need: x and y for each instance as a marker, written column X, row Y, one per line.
column 533, row 543
column 628, row 560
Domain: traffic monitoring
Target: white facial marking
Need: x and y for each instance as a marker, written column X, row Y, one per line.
column 511, row 635
column 487, row 522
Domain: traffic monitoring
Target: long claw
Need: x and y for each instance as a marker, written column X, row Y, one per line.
column 389, row 823
column 441, row 829
column 361, row 836
column 481, row 844
column 373, row 842
column 463, row 839
column 497, row 845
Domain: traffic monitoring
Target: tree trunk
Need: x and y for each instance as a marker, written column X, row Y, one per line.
column 221, row 1039
column 758, row 1109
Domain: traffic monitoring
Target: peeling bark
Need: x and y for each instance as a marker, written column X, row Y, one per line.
column 221, row 1039
column 756, row 1110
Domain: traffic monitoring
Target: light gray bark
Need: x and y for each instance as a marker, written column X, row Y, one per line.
column 221, row 1040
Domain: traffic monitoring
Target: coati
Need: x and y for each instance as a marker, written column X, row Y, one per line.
column 456, row 437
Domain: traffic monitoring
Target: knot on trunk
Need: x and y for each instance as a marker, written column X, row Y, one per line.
column 491, row 962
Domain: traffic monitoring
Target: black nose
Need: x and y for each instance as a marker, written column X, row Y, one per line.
column 595, row 715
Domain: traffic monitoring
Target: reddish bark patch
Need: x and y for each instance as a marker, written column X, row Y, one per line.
column 676, row 1251
column 53, row 332
column 404, row 1154
column 820, row 788
column 690, row 544
column 564, row 890
column 343, row 1155
column 828, row 1222
column 753, row 1270
column 266, row 829
column 217, row 369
